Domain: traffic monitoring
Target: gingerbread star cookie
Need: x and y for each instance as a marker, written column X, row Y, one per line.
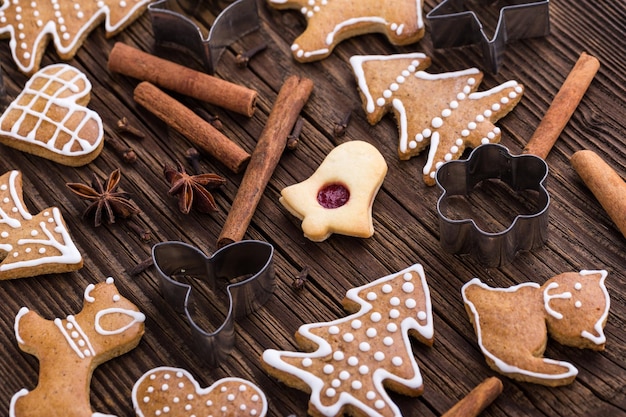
column 49, row 118
column 443, row 111
column 32, row 24
column 167, row 391
column 338, row 197
column 347, row 363
column 30, row 244
column 513, row 324
column 331, row 21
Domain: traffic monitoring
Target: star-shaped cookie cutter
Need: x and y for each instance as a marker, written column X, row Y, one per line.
column 452, row 25
column 246, row 265
column 171, row 25
column 520, row 173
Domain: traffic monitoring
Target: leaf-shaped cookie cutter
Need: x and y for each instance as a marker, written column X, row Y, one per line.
column 452, row 25
column 173, row 27
column 250, row 261
column 520, row 172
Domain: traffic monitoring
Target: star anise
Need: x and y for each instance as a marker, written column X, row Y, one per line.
column 105, row 199
column 192, row 190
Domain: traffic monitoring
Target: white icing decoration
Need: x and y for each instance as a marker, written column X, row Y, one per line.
column 16, row 326
column 549, row 297
column 137, row 317
column 88, row 296
column 600, row 338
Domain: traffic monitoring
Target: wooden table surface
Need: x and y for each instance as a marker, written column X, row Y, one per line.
column 581, row 235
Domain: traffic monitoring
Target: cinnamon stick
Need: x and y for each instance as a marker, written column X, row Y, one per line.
column 193, row 127
column 171, row 76
column 292, row 96
column 477, row 400
column 605, row 184
column 563, row 106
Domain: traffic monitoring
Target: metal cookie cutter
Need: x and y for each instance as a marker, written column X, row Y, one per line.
column 248, row 260
column 170, row 25
column 452, row 25
column 526, row 231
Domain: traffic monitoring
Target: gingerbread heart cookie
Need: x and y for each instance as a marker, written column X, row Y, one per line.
column 174, row 391
column 49, row 118
column 32, row 24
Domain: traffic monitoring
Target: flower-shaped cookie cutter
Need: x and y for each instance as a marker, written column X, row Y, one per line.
column 171, row 25
column 520, row 173
column 246, row 265
column 452, row 25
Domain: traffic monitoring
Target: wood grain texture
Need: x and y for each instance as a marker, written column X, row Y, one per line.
column 581, row 234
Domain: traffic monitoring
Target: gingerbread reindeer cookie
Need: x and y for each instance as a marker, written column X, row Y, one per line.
column 512, row 324
column 70, row 349
column 338, row 197
column 32, row 244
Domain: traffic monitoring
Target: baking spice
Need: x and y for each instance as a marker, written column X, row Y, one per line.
column 243, row 58
column 477, row 400
column 125, row 127
column 193, row 157
column 300, row 279
column 294, row 137
column 193, row 127
column 342, row 125
column 563, row 106
column 192, row 190
column 171, row 76
column 127, row 153
column 292, row 97
column 141, row 266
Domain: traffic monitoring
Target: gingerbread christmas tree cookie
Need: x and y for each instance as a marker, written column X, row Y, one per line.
column 32, row 24
column 331, row 21
column 444, row 111
column 347, row 363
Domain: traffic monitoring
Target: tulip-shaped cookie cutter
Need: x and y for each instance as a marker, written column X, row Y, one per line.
column 171, row 26
column 250, row 261
column 519, row 172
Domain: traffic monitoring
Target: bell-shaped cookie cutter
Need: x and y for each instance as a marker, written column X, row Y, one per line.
column 520, row 172
column 247, row 260
column 173, row 27
column 452, row 25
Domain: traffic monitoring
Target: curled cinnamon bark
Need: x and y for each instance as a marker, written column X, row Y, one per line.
column 477, row 400
column 292, row 96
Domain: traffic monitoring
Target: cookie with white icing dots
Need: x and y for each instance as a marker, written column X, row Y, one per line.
column 443, row 111
column 30, row 25
column 331, row 21
column 30, row 244
column 339, row 196
column 49, row 118
column 512, row 324
column 69, row 350
column 171, row 391
column 347, row 363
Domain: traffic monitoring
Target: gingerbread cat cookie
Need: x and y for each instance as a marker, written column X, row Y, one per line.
column 330, row 22
column 32, row 245
column 49, row 118
column 70, row 349
column 443, row 111
column 512, row 324
column 32, row 24
column 173, row 391
column 348, row 363
column 339, row 196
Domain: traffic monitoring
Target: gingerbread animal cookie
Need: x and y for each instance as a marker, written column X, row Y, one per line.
column 441, row 110
column 70, row 349
column 512, row 324
column 49, row 118
column 32, row 245
column 167, row 391
column 32, row 24
column 349, row 362
column 338, row 197
column 331, row 21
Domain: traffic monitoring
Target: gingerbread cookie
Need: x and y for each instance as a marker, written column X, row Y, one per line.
column 70, row 349
column 338, row 197
column 32, row 24
column 330, row 22
column 173, row 391
column 512, row 324
column 32, row 245
column 443, row 111
column 49, row 118
column 349, row 362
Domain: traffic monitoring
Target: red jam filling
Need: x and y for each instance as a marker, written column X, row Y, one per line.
column 333, row 196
